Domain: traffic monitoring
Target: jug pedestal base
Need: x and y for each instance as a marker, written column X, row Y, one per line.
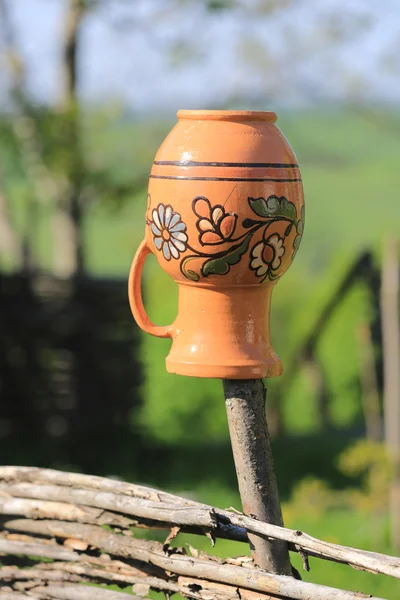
column 244, row 371
column 223, row 333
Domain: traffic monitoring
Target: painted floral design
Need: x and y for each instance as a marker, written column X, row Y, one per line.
column 217, row 226
column 267, row 255
column 169, row 231
column 299, row 232
column 214, row 224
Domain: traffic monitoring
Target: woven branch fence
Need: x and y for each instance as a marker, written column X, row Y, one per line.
column 71, row 529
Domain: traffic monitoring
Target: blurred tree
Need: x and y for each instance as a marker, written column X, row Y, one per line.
column 20, row 133
column 309, row 39
column 10, row 243
column 68, row 215
column 49, row 141
column 25, row 137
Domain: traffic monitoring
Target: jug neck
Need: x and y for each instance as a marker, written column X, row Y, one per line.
column 227, row 115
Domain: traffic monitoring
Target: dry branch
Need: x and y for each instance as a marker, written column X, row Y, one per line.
column 104, row 570
column 147, row 509
column 94, row 482
column 73, row 592
column 34, row 549
column 143, row 502
column 10, row 595
column 211, row 569
column 43, row 509
column 190, row 588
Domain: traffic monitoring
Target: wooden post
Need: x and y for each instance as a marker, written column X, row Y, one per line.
column 391, row 369
column 245, row 406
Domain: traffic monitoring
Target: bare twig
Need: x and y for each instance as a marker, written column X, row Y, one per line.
column 147, row 509
column 44, row 509
column 92, row 482
column 35, row 549
column 7, row 594
column 75, row 592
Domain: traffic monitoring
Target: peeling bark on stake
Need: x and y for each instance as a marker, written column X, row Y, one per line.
column 245, row 407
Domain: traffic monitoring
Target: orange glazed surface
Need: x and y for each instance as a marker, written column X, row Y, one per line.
column 224, row 218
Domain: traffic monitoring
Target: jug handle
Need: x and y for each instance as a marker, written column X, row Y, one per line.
column 135, row 296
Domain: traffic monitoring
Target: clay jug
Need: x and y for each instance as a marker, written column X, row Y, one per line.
column 225, row 216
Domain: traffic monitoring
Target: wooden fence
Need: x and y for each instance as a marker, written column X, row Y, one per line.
column 66, row 348
column 61, row 530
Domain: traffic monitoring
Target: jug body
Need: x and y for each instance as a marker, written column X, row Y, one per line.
column 224, row 217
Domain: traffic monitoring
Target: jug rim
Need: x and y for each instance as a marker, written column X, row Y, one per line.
column 228, row 115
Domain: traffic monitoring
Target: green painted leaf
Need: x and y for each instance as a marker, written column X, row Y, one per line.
column 273, row 207
column 296, row 242
column 265, row 208
column 260, row 207
column 188, row 273
column 222, row 264
column 192, row 275
column 287, row 209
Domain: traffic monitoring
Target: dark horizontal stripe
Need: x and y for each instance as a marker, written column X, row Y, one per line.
column 223, row 178
column 193, row 163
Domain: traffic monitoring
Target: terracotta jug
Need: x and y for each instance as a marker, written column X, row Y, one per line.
column 225, row 216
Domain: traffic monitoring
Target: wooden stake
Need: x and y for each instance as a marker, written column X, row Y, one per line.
column 391, row 367
column 245, row 406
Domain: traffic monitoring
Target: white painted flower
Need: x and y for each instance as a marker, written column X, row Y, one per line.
column 267, row 255
column 169, row 231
